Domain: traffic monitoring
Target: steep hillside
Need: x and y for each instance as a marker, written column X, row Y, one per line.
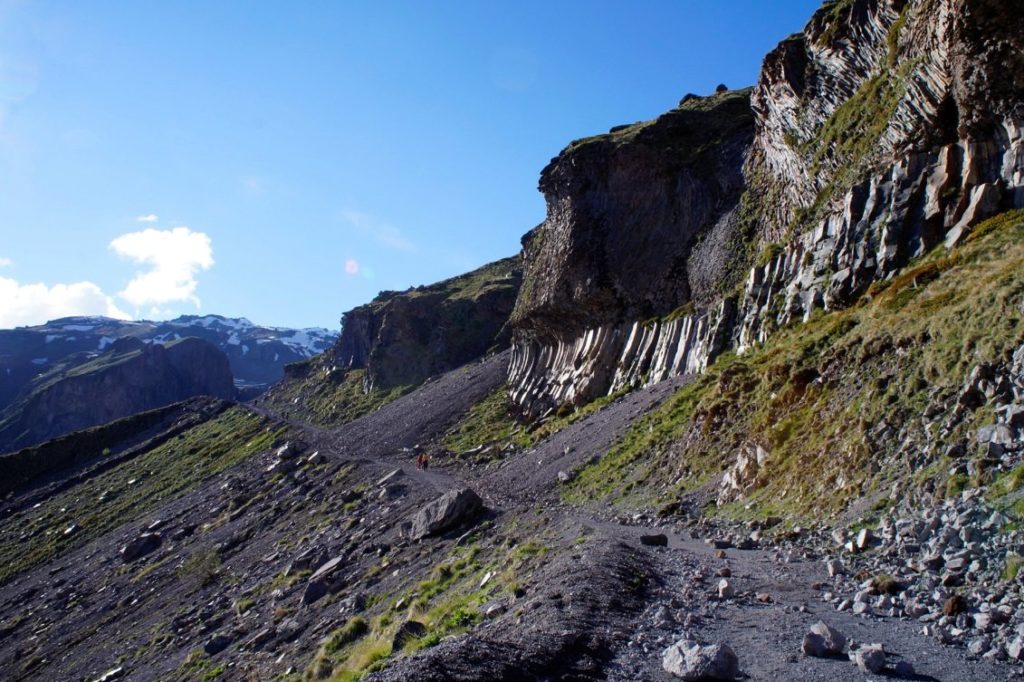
column 749, row 405
column 257, row 354
column 130, row 377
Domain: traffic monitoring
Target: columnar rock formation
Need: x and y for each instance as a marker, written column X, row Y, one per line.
column 884, row 129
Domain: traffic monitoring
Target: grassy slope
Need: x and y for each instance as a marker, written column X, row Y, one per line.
column 491, row 422
column 135, row 488
column 326, row 396
column 910, row 343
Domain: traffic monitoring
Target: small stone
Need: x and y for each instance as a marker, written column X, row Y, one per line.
column 725, row 589
column 315, row 589
column 954, row 606
column 407, row 631
column 140, row 546
column 869, row 658
column 216, row 644
column 654, row 540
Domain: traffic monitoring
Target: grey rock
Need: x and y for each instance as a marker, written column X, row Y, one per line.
column 216, row 644
column 869, row 658
column 725, row 589
column 315, row 589
column 688, row 660
column 452, row 509
column 141, row 546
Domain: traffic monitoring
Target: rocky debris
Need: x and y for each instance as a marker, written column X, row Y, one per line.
column 741, row 477
column 451, row 510
column 261, row 639
column 389, row 478
column 689, row 660
column 140, row 546
column 654, row 540
column 309, row 559
column 869, row 658
column 725, row 589
column 944, row 567
column 282, row 466
column 823, row 641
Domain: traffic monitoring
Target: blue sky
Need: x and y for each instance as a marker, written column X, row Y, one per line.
column 287, row 161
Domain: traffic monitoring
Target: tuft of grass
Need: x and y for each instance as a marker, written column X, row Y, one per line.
column 1011, row 570
column 203, row 568
column 489, row 422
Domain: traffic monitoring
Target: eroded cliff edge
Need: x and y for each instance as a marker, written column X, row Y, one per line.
column 883, row 130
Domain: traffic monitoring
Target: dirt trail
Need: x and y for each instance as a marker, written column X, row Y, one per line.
column 766, row 636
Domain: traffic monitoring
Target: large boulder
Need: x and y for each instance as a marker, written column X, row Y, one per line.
column 689, row 660
column 140, row 546
column 453, row 509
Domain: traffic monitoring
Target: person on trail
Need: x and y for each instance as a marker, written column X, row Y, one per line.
column 420, row 456
column 426, row 460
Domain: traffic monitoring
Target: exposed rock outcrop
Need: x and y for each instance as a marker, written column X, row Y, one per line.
column 632, row 201
column 402, row 338
column 884, row 129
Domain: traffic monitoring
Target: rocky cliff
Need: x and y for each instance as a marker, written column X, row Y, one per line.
column 401, row 338
column 882, row 130
column 130, row 377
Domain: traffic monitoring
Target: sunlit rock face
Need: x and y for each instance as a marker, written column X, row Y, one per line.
column 402, row 338
column 885, row 129
column 640, row 222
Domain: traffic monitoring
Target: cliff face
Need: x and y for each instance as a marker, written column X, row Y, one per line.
column 402, row 338
column 640, row 222
column 884, row 129
column 131, row 377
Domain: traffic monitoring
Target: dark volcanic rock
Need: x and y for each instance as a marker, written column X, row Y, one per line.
column 141, row 546
column 401, row 338
column 452, row 509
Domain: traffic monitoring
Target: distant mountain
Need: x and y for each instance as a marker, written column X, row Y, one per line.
column 85, row 389
column 257, row 355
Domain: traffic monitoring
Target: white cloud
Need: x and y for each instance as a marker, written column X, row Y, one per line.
column 148, row 218
column 385, row 233
column 5, row 262
column 174, row 258
column 27, row 304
